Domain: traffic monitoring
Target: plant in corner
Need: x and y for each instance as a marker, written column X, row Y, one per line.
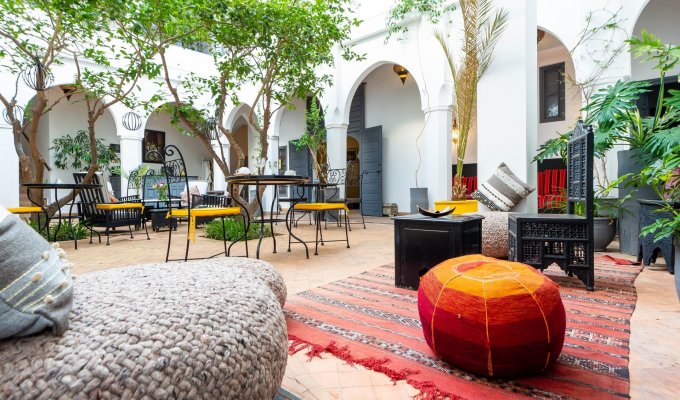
column 482, row 27
column 74, row 152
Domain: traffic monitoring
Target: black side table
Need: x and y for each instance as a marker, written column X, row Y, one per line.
column 159, row 220
column 422, row 242
column 650, row 249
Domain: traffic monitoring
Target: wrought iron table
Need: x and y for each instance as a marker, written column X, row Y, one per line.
column 56, row 187
column 269, row 180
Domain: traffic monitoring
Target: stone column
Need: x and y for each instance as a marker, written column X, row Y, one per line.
column 9, row 165
column 272, row 157
column 130, row 154
column 218, row 176
column 336, row 139
column 507, row 108
column 435, row 166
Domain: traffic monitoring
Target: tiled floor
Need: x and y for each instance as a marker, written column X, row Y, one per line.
column 655, row 326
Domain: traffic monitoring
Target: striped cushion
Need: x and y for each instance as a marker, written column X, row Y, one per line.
column 502, row 191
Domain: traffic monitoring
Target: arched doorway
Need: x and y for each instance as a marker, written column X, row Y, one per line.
column 386, row 120
column 159, row 131
column 68, row 115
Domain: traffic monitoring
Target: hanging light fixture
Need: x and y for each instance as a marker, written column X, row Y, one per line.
column 540, row 34
column 37, row 77
column 209, row 129
column 132, row 121
column 401, row 72
column 18, row 115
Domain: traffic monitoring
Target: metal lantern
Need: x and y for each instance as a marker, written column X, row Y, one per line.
column 210, row 130
column 132, row 121
column 18, row 115
column 37, row 77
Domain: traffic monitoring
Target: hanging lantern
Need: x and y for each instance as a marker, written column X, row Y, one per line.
column 209, row 129
column 132, row 121
column 18, row 115
column 401, row 72
column 37, row 77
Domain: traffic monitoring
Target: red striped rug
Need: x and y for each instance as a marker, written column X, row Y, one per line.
column 366, row 320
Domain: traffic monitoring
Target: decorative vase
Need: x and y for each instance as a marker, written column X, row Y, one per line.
column 461, row 206
column 604, row 229
column 629, row 220
column 418, row 198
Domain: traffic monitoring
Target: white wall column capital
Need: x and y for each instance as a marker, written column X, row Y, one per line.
column 444, row 108
column 9, row 165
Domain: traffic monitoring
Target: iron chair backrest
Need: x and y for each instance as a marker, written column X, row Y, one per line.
column 92, row 196
column 132, row 178
column 353, row 178
column 174, row 169
column 580, row 164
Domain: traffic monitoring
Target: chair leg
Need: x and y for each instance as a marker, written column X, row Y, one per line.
column 186, row 253
column 318, row 216
column 346, row 227
column 317, row 231
column 224, row 238
column 167, row 253
column 91, row 235
column 107, row 235
column 146, row 229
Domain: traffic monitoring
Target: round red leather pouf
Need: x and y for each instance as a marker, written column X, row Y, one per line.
column 492, row 317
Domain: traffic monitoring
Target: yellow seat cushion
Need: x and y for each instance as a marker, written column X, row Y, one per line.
column 119, row 206
column 201, row 212
column 321, row 206
column 204, row 212
column 25, row 210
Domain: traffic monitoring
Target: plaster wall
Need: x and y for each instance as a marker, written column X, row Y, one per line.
column 659, row 17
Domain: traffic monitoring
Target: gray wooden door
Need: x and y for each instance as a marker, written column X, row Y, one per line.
column 299, row 161
column 370, row 158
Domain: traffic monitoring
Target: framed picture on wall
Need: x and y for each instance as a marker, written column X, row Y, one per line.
column 154, row 141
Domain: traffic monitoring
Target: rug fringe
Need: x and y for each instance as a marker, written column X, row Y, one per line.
column 428, row 390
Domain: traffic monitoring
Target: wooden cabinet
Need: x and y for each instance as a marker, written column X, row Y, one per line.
column 422, row 242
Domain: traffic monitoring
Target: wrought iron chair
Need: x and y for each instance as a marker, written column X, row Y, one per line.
column 175, row 171
column 346, row 178
column 97, row 211
column 567, row 239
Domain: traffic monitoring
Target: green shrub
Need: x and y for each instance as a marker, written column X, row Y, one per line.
column 233, row 230
column 66, row 230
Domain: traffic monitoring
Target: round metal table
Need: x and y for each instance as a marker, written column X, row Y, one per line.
column 268, row 180
column 56, row 187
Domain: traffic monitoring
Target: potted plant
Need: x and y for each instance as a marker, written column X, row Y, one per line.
column 664, row 176
column 482, row 27
column 615, row 110
column 314, row 138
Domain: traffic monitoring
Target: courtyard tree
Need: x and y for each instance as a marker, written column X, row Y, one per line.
column 33, row 36
column 277, row 48
column 36, row 35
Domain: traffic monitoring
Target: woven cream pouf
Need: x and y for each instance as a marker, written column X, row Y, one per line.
column 494, row 233
column 207, row 329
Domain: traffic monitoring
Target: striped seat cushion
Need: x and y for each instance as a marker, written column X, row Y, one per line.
column 502, row 191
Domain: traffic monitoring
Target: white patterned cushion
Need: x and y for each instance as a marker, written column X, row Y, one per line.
column 503, row 190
